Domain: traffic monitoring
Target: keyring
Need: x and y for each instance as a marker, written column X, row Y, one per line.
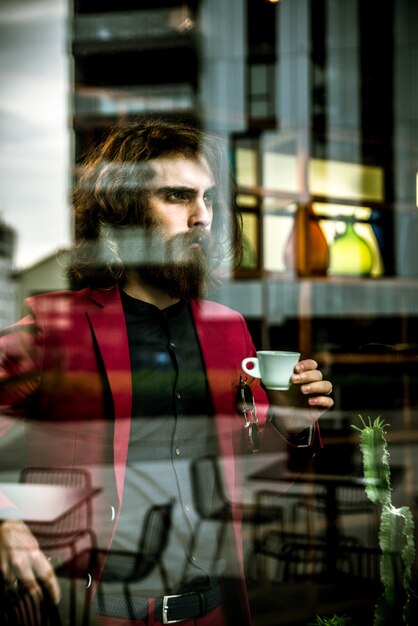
column 12, row 586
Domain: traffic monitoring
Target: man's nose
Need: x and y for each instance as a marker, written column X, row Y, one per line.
column 201, row 214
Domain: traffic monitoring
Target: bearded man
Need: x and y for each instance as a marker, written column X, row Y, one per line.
column 135, row 376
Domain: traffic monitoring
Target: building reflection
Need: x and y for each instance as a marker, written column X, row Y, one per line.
column 320, row 119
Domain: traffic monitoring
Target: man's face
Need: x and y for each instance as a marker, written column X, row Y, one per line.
column 180, row 195
column 179, row 218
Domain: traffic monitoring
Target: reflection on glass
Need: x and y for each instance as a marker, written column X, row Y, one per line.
column 334, row 179
column 250, row 241
column 345, row 180
column 280, row 163
column 416, row 192
column 280, row 172
column 276, row 231
column 246, row 167
column 245, row 200
column 107, row 101
column 261, row 90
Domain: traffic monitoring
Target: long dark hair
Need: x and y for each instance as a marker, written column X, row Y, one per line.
column 110, row 194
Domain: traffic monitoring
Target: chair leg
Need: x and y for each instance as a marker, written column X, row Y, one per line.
column 129, row 602
column 164, row 576
column 221, row 540
column 87, row 604
column 73, row 593
column 73, row 602
column 193, row 544
column 253, row 553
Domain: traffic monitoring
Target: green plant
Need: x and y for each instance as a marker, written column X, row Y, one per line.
column 396, row 534
column 336, row 620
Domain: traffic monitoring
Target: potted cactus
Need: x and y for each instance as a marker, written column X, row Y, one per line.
column 396, row 534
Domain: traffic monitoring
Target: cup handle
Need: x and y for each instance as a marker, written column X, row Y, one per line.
column 255, row 370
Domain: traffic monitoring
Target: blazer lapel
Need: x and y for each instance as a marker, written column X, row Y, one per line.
column 108, row 325
column 209, row 321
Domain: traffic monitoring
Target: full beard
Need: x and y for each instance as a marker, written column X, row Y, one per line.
column 183, row 274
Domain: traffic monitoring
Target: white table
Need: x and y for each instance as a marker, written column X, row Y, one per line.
column 43, row 503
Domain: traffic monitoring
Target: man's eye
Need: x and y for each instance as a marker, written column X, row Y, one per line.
column 175, row 195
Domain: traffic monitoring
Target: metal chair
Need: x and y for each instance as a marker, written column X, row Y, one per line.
column 74, row 525
column 71, row 528
column 125, row 567
column 212, row 504
column 301, row 557
column 349, row 500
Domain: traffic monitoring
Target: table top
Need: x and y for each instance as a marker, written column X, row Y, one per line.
column 275, row 472
column 44, row 503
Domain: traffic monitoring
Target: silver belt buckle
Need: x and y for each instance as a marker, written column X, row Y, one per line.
column 165, row 610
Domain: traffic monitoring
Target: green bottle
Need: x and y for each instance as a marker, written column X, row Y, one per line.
column 350, row 254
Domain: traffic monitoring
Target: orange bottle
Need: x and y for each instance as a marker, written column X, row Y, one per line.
column 307, row 251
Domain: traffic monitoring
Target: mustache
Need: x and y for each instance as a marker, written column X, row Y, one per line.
column 196, row 235
column 199, row 236
column 148, row 246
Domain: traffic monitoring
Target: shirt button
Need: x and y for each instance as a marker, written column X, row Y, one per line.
column 187, row 508
column 178, row 395
column 178, row 451
column 172, row 345
column 193, row 557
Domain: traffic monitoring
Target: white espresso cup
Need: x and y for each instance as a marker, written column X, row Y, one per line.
column 274, row 367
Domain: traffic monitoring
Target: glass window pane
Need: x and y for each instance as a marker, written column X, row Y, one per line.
column 246, row 167
column 251, row 252
column 280, row 172
column 346, row 180
column 247, row 201
column 258, row 80
column 259, row 108
column 276, row 232
column 132, row 100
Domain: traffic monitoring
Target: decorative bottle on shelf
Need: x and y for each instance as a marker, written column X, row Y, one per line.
column 380, row 223
column 350, row 254
column 307, row 252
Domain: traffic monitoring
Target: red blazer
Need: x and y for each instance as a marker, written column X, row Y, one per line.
column 68, row 358
column 66, row 366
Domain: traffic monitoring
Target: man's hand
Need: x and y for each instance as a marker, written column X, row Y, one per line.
column 305, row 401
column 22, row 560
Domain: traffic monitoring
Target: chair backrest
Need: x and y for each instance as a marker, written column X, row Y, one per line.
column 208, row 491
column 155, row 531
column 365, row 562
column 302, row 560
column 79, row 517
column 134, row 566
column 354, row 499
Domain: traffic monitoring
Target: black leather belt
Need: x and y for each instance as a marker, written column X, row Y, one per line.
column 184, row 606
column 168, row 609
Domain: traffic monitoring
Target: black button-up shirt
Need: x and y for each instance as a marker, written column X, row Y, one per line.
column 172, row 425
